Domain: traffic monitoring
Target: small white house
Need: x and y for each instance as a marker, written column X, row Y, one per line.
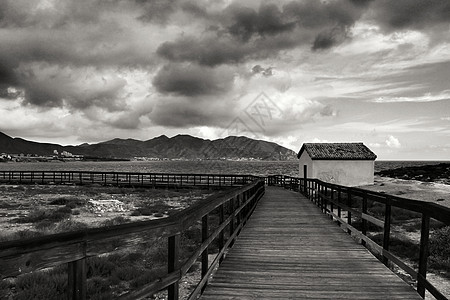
column 349, row 164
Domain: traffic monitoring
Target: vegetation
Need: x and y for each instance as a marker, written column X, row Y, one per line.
column 439, row 258
column 404, row 246
column 108, row 276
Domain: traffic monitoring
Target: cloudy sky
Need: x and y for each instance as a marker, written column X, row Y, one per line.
column 374, row 71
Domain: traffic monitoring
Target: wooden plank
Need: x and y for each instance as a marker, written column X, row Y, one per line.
column 290, row 250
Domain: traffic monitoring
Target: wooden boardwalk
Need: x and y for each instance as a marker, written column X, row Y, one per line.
column 290, row 250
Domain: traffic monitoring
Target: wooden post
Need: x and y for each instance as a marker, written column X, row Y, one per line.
column 349, row 213
column 221, row 235
column 322, row 198
column 423, row 254
column 231, row 205
column 305, row 178
column 339, row 201
column 173, row 246
column 205, row 252
column 238, row 200
column 76, row 289
column 387, row 230
column 331, row 202
column 364, row 221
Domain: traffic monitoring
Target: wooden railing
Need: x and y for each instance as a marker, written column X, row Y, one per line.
column 235, row 205
column 335, row 199
column 124, row 178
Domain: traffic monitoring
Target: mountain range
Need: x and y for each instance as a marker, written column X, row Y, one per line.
column 177, row 147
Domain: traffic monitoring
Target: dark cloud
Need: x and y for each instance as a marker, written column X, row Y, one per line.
column 46, row 50
column 207, row 51
column 247, row 22
column 157, row 10
column 125, row 121
column 318, row 14
column 181, row 112
column 7, row 74
column 192, row 80
column 330, row 38
column 264, row 71
column 242, row 33
column 55, row 14
column 74, row 88
column 363, row 3
column 414, row 14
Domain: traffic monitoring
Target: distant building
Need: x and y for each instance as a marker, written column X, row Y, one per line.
column 349, row 164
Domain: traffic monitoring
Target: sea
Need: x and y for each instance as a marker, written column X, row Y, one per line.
column 260, row 168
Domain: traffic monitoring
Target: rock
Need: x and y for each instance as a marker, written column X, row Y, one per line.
column 102, row 206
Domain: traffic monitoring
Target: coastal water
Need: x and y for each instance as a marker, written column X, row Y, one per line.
column 261, row 168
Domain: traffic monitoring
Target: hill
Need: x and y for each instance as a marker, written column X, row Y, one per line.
column 177, row 147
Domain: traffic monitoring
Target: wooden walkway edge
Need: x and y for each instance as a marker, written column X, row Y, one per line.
column 290, row 250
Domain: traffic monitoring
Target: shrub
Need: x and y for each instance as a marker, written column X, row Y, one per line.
column 115, row 221
column 416, row 225
column 98, row 288
column 43, row 285
column 399, row 214
column 440, row 243
column 439, row 248
column 376, row 209
column 50, row 215
column 70, row 201
column 101, row 266
column 69, row 225
column 400, row 246
column 148, row 276
column 127, row 273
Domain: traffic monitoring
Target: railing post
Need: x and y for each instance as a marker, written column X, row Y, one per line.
column 423, row 254
column 339, row 201
column 173, row 264
column 76, row 289
column 364, row 221
column 387, row 229
column 221, row 235
column 305, row 178
column 331, row 202
column 205, row 252
column 238, row 200
column 349, row 213
column 322, row 198
column 231, row 206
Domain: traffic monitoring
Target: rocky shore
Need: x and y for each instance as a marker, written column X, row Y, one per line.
column 429, row 173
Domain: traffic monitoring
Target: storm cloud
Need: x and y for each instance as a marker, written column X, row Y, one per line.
column 410, row 14
column 192, row 80
column 243, row 33
column 182, row 63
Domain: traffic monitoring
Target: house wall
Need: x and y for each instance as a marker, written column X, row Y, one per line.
column 305, row 160
column 344, row 172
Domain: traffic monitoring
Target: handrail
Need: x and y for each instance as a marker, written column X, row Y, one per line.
column 126, row 178
column 23, row 256
column 330, row 196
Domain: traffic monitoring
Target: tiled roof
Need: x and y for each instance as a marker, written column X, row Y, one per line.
column 337, row 151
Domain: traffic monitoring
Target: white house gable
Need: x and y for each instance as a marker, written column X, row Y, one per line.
column 349, row 164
